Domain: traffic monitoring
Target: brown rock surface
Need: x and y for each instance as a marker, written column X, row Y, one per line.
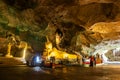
column 33, row 20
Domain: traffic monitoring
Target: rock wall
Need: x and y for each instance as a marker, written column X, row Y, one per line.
column 33, row 20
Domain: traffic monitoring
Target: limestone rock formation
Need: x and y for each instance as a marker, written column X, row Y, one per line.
column 33, row 20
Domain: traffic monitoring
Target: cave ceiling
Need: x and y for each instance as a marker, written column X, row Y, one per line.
column 82, row 22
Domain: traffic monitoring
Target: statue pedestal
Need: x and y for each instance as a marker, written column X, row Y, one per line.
column 9, row 56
